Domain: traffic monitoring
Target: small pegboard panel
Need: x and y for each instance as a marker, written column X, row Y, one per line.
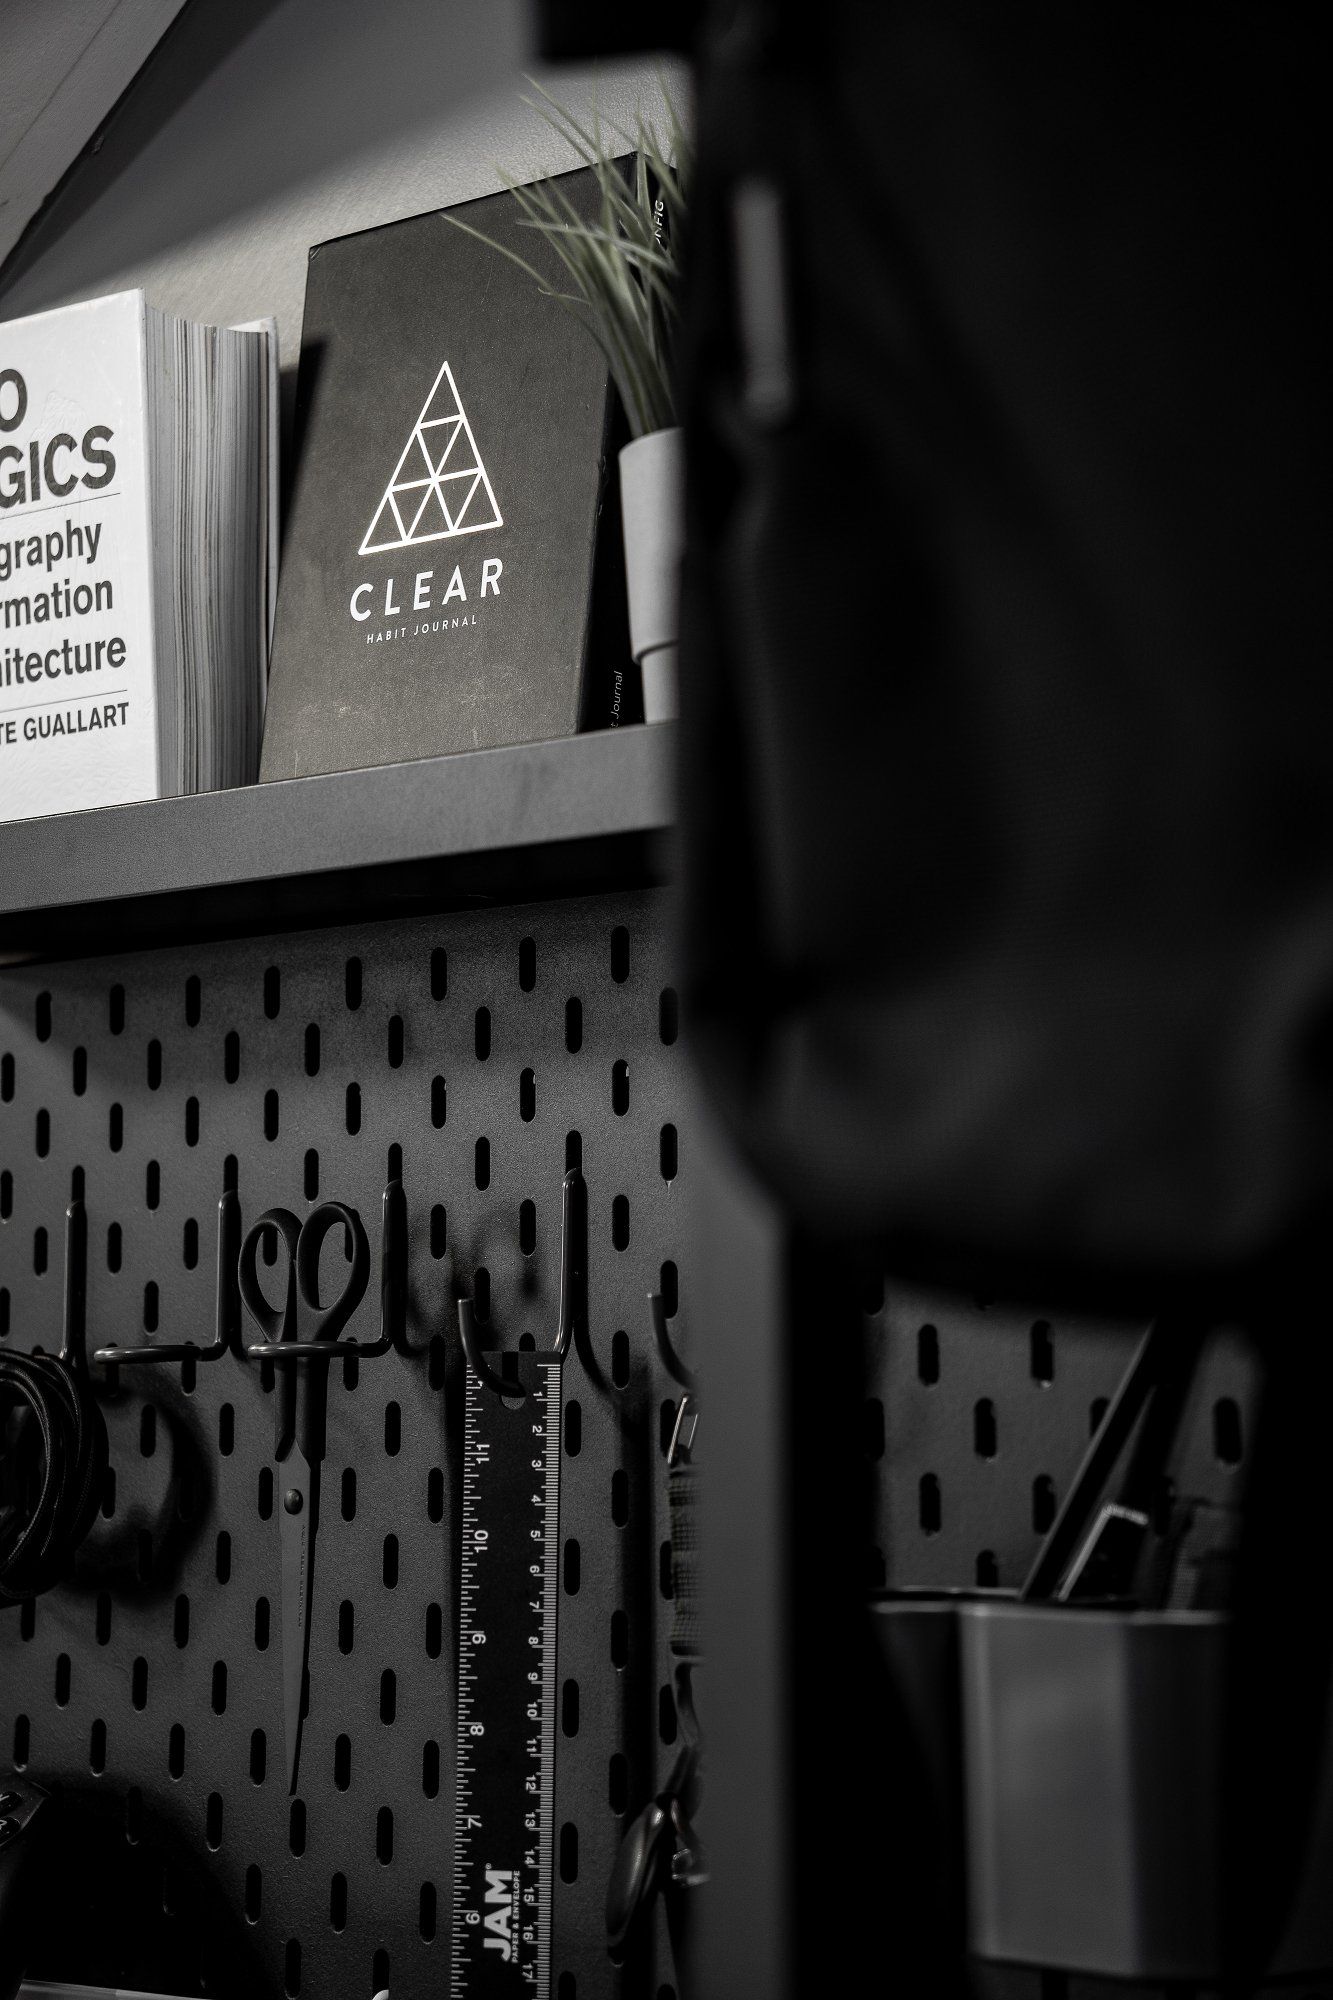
column 479, row 1055
column 978, row 1414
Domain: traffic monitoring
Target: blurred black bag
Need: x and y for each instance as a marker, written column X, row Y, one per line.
column 1007, row 760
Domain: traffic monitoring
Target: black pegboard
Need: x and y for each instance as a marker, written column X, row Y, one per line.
column 492, row 1049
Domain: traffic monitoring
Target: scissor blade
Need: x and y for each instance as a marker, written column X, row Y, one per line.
column 299, row 1496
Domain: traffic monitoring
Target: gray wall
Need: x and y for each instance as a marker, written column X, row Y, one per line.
column 263, row 126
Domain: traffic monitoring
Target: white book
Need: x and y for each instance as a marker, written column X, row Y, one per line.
column 137, row 554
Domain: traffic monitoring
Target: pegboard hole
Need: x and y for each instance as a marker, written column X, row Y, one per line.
column 342, row 1763
column 102, row 1626
column 80, row 1078
column 481, row 1034
column 272, row 992
column 6, row 1079
column 668, row 1153
column 439, row 973
column 348, row 1496
column 258, row 1756
column 96, row 1748
column 213, row 1821
column 226, row 1430
column 666, row 1714
column 430, row 1769
column 150, row 1307
column 190, row 1243
column 155, row 1065
column 620, row 1222
column 619, row 1639
column 193, row 999
column 116, row 1010
column 388, row 1696
column 115, row 1127
column 312, row 1049
column 43, row 1134
column 1043, row 1503
column 43, row 1017
column 569, row 1708
column 573, row 1427
column 481, row 1294
column 573, row 1567
column 346, row 1626
column 620, row 1497
column 617, row 1782
column 176, row 1751
column 192, row 1121
column 296, row 1827
column 62, row 1680
column 1227, row 1441
column 928, row 1355
column 219, row 1689
column 573, row 1024
column 481, row 1164
column 6, row 1195
column 139, row 1684
column 338, row 1902
column 426, row 1917
column 527, row 1096
column 434, row 1631
column 263, row 1623
column 985, row 1436
column 396, row 1041
column 264, row 1493
column 379, row 1969
column 439, row 1102
column 569, row 1852
column 929, row 1512
column 988, row 1570
column 4, row 1313
column 620, row 1088
column 222, row 1557
column 148, row 1430
column 435, row 1494
column 152, row 1185
column 389, row 1565
column 384, row 1836
column 231, row 1056
column 39, row 1253
column 1042, row 1351
column 22, row 1737
column 393, row 1429
column 254, row 1893
column 620, row 954
column 620, row 1358
column 527, row 1227
column 180, row 1622
column 437, row 1361
column 573, row 1152
column 668, row 1284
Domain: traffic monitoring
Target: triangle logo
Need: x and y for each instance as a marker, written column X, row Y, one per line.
column 439, row 486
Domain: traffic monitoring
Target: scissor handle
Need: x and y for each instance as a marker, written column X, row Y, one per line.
column 277, row 1322
column 331, row 1319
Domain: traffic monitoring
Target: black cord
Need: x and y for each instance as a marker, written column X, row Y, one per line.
column 53, row 1454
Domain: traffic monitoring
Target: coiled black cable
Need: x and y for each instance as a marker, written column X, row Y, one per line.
column 53, row 1455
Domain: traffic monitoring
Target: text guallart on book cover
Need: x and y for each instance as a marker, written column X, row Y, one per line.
column 452, row 430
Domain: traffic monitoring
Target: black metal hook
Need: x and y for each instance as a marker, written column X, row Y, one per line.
column 670, row 1360
column 226, row 1327
column 393, row 1295
column 571, row 1292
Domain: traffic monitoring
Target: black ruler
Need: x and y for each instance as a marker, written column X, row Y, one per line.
column 504, row 1810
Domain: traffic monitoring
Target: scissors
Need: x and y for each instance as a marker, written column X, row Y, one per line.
column 300, row 1400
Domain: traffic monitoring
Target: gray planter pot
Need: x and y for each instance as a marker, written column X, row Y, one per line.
column 651, row 507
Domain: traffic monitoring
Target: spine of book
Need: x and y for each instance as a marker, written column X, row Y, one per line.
column 78, row 698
